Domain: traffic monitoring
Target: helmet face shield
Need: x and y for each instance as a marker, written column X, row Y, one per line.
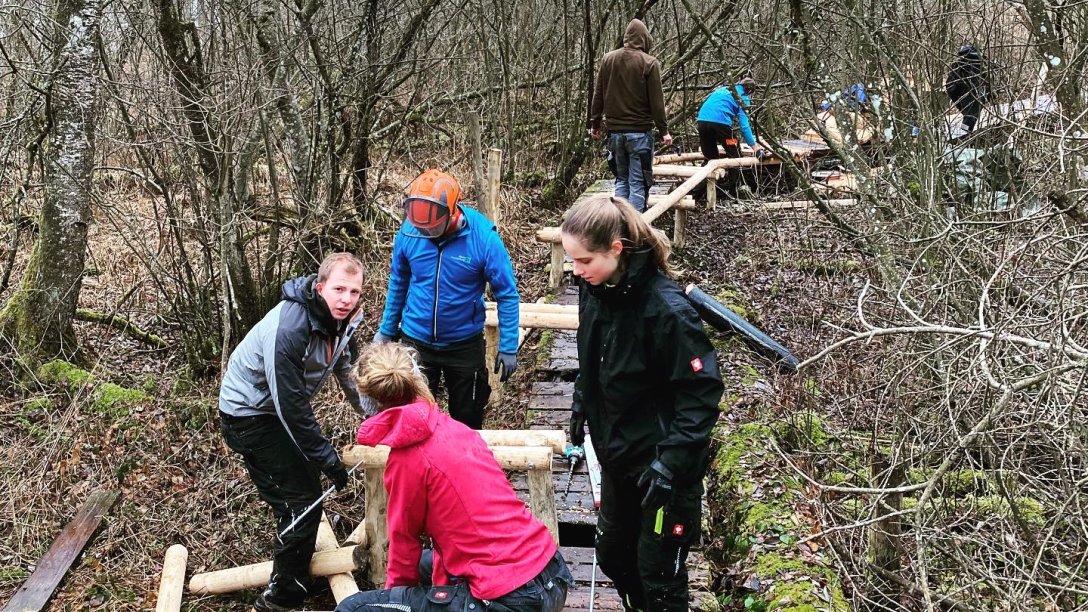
column 431, row 218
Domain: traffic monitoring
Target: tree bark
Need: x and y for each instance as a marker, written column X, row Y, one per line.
column 39, row 316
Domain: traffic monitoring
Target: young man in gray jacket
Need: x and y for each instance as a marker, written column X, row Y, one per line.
column 628, row 95
column 264, row 405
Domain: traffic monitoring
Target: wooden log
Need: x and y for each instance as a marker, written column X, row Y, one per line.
column 550, row 235
column 509, row 458
column 555, row 439
column 542, row 498
column 374, row 517
column 711, row 193
column 491, row 352
column 494, row 175
column 51, row 568
column 172, row 582
column 478, row 162
column 680, row 229
column 257, row 575
column 682, row 190
column 545, row 320
column 555, row 278
column 343, row 585
column 540, row 307
column 671, row 171
column 358, row 536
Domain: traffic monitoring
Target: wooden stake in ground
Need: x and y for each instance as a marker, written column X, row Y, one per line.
column 37, row 590
column 343, row 585
column 172, row 582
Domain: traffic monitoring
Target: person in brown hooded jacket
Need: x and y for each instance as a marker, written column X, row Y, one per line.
column 628, row 95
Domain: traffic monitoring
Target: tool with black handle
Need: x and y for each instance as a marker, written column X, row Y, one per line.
column 723, row 319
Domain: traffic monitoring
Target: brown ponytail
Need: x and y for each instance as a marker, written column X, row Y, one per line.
column 599, row 220
column 390, row 375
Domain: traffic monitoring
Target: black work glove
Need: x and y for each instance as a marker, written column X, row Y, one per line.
column 577, row 425
column 658, row 480
column 505, row 364
column 337, row 475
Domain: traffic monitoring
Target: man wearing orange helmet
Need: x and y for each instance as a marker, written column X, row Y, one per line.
column 443, row 256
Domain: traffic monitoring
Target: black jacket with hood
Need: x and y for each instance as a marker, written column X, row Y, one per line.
column 648, row 382
column 628, row 88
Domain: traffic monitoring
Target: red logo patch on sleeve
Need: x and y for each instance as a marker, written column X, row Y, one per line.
column 678, row 529
column 441, row 594
column 696, row 365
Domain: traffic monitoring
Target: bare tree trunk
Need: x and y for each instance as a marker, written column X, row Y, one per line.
column 38, row 319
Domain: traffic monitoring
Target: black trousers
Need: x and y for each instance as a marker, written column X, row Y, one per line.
column 545, row 593
column 645, row 552
column 971, row 107
column 461, row 367
column 711, row 135
column 286, row 481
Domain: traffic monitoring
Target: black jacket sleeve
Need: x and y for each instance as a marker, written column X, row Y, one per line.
column 690, row 366
column 285, row 363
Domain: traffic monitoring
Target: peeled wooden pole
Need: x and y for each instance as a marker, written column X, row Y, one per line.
column 555, row 439
column 551, row 234
column 343, row 585
column 546, row 320
column 542, row 498
column 491, row 352
column 172, row 583
column 682, row 190
column 374, row 519
column 680, row 229
column 494, row 175
column 540, row 307
column 555, row 275
column 256, row 575
column 509, row 457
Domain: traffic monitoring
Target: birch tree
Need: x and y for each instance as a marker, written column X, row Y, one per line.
column 38, row 318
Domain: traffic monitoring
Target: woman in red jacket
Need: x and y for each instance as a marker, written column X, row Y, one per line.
column 444, row 483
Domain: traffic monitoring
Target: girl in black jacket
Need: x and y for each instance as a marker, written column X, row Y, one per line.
column 649, row 388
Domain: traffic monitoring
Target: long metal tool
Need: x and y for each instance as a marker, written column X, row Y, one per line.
column 574, row 454
column 714, row 312
column 326, row 494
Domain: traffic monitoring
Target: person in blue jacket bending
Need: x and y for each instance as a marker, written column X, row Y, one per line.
column 716, row 120
column 443, row 255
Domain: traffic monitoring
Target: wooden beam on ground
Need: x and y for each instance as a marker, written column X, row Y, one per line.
column 509, row 457
column 257, row 575
column 52, row 567
column 172, row 582
column 343, row 584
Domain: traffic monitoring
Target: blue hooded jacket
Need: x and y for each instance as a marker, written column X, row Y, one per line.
column 721, row 107
column 436, row 286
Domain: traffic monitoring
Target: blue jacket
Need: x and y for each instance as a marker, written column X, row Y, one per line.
column 436, row 287
column 721, row 107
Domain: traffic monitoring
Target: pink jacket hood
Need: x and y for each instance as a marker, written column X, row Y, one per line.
column 401, row 426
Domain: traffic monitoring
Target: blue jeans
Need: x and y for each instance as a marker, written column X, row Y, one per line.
column 633, row 154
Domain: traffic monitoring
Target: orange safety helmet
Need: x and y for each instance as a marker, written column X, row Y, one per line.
column 431, row 203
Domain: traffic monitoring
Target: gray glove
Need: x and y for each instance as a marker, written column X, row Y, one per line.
column 505, row 364
column 380, row 338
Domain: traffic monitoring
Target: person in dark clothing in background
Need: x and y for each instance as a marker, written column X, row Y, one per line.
column 628, row 95
column 649, row 389
column 967, row 85
column 724, row 111
column 264, row 406
column 443, row 256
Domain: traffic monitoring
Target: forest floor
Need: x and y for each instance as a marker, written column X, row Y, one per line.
column 788, row 273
